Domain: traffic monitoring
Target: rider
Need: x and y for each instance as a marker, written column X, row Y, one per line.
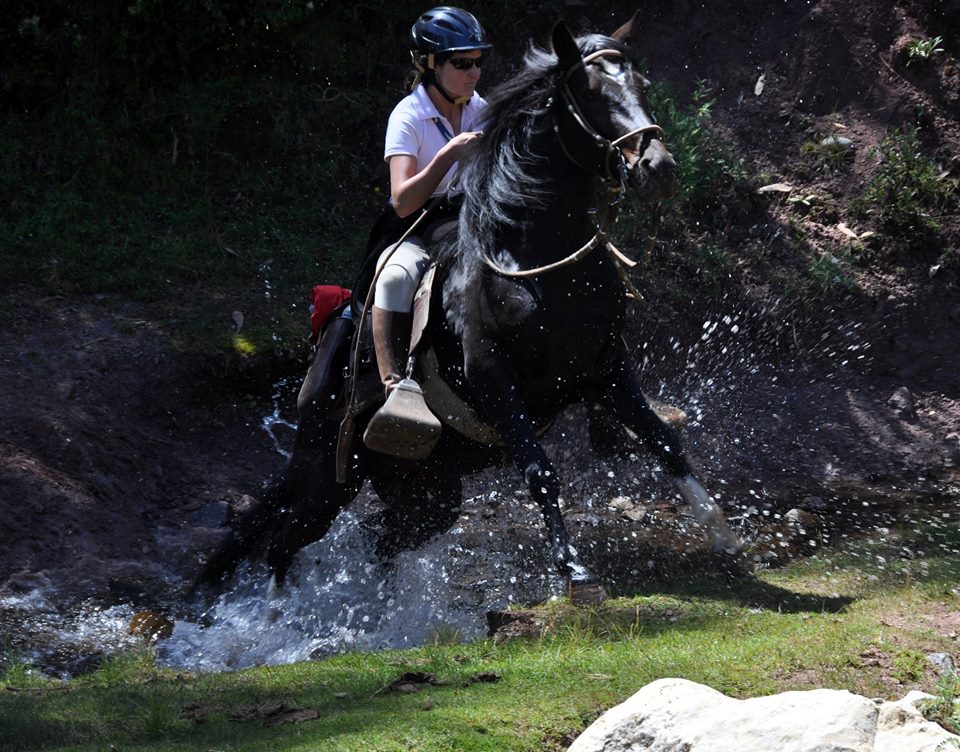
column 428, row 132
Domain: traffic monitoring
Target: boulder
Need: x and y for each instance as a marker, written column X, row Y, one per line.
column 675, row 715
column 901, row 727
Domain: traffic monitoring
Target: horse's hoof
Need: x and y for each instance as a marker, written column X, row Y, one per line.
column 734, row 563
column 586, row 592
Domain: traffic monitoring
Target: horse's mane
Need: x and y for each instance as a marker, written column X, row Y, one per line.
column 502, row 173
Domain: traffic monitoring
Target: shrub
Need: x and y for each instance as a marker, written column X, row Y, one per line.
column 923, row 49
column 906, row 194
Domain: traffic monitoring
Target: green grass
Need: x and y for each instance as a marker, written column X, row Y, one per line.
column 808, row 625
column 548, row 689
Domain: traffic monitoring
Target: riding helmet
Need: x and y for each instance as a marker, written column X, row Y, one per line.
column 446, row 29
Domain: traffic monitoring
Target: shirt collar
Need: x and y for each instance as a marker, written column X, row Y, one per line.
column 424, row 106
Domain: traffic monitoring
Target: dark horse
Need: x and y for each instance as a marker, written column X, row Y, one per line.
column 566, row 136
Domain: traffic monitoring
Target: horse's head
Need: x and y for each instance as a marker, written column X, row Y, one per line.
column 604, row 124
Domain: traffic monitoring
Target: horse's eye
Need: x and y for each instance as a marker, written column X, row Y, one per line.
column 615, row 68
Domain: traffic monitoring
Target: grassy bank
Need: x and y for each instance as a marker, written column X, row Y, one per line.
column 860, row 618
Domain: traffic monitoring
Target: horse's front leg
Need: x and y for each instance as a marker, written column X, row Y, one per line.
column 624, row 397
column 502, row 406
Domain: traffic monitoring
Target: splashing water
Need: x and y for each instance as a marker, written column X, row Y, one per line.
column 64, row 643
column 271, row 421
column 339, row 598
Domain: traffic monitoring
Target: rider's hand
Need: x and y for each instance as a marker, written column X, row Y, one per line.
column 459, row 145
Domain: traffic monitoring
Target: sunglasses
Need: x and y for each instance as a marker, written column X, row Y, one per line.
column 466, row 63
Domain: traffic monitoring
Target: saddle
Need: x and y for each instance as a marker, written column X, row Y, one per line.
column 409, row 423
column 342, row 383
column 439, row 396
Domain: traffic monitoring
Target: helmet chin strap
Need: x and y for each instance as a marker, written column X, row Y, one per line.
column 443, row 93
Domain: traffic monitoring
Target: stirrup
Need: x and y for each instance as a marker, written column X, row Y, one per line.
column 404, row 426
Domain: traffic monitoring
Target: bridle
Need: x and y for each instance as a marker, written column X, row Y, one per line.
column 614, row 162
column 614, row 172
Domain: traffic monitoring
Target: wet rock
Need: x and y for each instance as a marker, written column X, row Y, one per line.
column 215, row 514
column 26, row 581
column 242, row 505
column 902, row 403
column 801, row 523
column 626, row 507
column 503, row 626
column 672, row 415
column 150, row 625
column 814, row 504
column 797, row 533
column 620, row 503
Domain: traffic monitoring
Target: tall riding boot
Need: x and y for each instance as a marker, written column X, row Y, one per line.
column 391, row 340
column 403, row 426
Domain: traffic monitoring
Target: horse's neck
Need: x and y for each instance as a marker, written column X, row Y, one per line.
column 569, row 215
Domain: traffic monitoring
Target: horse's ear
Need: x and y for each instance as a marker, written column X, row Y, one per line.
column 565, row 46
column 624, row 32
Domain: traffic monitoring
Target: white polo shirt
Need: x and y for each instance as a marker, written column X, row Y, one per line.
column 411, row 130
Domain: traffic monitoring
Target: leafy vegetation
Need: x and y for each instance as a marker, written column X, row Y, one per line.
column 942, row 707
column 906, row 193
column 923, row 48
column 708, row 172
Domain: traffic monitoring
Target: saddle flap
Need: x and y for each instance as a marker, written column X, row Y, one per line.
column 421, row 308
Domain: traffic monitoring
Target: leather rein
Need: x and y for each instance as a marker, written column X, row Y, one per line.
column 616, row 171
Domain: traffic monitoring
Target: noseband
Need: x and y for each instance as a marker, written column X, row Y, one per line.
column 614, row 161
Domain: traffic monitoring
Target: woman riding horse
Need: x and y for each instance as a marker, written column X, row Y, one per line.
column 526, row 317
column 428, row 133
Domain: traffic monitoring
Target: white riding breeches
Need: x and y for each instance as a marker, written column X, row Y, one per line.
column 400, row 277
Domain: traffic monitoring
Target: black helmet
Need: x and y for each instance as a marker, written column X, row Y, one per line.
column 447, row 29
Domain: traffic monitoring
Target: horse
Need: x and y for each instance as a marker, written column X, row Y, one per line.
column 525, row 319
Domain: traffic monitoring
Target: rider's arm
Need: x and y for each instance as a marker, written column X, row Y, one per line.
column 410, row 189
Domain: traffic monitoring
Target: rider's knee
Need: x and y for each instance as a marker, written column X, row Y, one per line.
column 398, row 279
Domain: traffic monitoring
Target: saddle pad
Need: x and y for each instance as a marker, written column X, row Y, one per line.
column 324, row 300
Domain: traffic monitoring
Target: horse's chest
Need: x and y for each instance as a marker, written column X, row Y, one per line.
column 557, row 335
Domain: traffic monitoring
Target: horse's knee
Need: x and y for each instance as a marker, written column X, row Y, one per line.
column 661, row 440
column 542, row 481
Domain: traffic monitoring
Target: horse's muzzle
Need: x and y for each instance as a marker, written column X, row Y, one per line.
column 653, row 174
